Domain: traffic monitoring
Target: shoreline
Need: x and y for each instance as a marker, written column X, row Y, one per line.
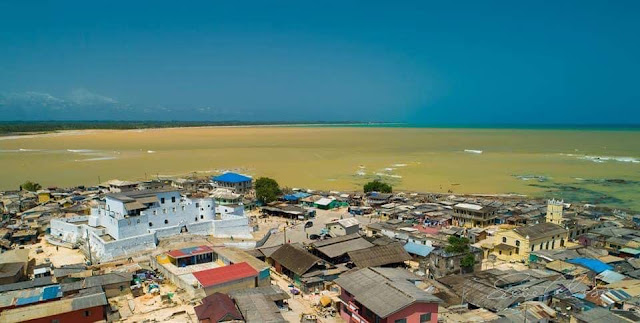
column 67, row 126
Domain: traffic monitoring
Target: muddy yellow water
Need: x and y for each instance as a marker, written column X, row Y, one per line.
column 534, row 162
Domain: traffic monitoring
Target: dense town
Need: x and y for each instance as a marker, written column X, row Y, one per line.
column 233, row 249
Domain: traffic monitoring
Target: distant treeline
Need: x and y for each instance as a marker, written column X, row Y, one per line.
column 13, row 127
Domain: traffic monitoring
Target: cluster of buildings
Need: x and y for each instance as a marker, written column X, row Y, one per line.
column 381, row 257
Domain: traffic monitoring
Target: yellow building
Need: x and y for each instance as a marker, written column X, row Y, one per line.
column 44, row 196
column 516, row 244
column 555, row 211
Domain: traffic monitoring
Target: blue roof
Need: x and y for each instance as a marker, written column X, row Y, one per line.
column 418, row 249
column 232, row 178
column 50, row 292
column 594, row 265
column 296, row 196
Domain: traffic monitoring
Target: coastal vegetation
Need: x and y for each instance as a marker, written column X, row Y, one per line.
column 16, row 127
column 30, row 186
column 267, row 190
column 377, row 186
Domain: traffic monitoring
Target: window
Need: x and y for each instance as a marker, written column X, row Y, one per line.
column 532, row 246
column 155, row 212
column 164, row 211
column 174, row 210
column 425, row 318
column 547, row 245
column 197, row 204
column 166, row 221
column 87, row 313
column 55, row 321
column 201, row 216
column 517, row 251
column 504, row 239
column 400, row 321
column 162, row 200
column 183, row 208
column 173, row 199
column 150, row 224
column 517, row 243
column 196, row 219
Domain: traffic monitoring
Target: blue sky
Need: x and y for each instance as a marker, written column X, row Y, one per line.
column 445, row 62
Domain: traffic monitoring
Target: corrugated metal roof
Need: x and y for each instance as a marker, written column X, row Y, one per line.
column 383, row 294
column 224, row 274
column 379, row 255
column 231, row 178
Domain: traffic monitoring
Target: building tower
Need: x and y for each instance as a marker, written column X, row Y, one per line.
column 554, row 211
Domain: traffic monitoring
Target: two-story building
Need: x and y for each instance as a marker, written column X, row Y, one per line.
column 516, row 244
column 473, row 216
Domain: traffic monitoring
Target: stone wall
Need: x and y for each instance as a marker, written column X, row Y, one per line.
column 234, row 227
column 105, row 251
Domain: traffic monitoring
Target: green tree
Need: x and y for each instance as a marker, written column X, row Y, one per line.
column 31, row 186
column 468, row 261
column 267, row 189
column 457, row 245
column 460, row 245
column 377, row 186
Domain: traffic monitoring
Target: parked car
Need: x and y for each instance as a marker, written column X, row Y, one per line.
column 309, row 224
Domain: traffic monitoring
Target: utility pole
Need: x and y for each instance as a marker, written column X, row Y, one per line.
column 285, row 234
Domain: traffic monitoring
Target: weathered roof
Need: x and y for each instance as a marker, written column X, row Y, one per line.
column 335, row 247
column 418, row 249
column 295, row 258
column 257, row 307
column 11, row 269
column 107, row 279
column 599, row 314
column 272, row 292
column 384, row 292
column 217, row 307
column 379, row 255
column 43, row 310
column 540, row 230
column 37, row 282
column 188, row 252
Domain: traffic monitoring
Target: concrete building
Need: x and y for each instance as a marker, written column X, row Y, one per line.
column 385, row 295
column 473, row 216
column 228, row 278
column 343, row 227
column 236, row 182
column 555, row 211
column 442, row 263
column 516, row 244
column 129, row 222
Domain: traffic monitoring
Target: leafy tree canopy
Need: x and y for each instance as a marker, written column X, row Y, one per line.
column 267, row 189
column 31, row 186
column 468, row 261
column 377, row 186
column 457, row 245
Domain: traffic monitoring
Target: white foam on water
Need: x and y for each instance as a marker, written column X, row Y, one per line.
column 473, row 151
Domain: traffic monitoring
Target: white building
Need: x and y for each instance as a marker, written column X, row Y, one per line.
column 129, row 222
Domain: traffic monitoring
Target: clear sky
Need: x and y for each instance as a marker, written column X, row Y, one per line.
column 432, row 62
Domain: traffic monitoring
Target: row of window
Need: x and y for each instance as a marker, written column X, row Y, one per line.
column 167, row 221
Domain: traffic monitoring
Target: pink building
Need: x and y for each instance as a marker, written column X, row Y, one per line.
column 385, row 295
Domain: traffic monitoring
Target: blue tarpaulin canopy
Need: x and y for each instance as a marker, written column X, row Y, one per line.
column 594, row 265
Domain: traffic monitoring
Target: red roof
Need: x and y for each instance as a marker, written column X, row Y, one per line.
column 189, row 251
column 216, row 308
column 225, row 274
